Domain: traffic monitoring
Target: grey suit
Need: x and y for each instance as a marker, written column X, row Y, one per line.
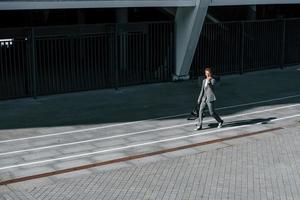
column 207, row 97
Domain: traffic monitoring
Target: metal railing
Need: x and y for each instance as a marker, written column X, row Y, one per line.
column 239, row 47
column 51, row 60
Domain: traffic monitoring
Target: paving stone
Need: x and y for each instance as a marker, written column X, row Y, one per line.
column 259, row 169
column 264, row 166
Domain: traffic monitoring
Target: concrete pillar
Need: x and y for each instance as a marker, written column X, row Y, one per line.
column 188, row 26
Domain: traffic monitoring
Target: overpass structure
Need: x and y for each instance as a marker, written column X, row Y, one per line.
column 189, row 18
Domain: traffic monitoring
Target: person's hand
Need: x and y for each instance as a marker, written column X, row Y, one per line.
column 209, row 78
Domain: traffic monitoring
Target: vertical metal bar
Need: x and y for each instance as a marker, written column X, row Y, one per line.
column 2, row 95
column 83, row 62
column 57, row 68
column 150, row 42
column 65, row 58
column 117, row 57
column 165, row 50
column 60, row 65
column 15, row 74
column 215, row 45
column 38, row 63
column 220, row 61
column 10, row 65
column 72, row 66
column 122, row 70
column 160, row 52
column 138, row 53
column 128, row 57
column 24, row 65
column 51, row 62
column 170, row 65
column 242, row 48
column 132, row 71
column 96, row 61
column 148, row 52
column 155, row 63
column 237, row 41
column 48, row 66
column 107, row 62
column 26, row 60
column 141, row 58
column 208, row 45
column 16, row 47
column 94, row 55
column 283, row 43
column 103, row 60
column 145, row 56
column 86, row 66
column 33, row 62
column 259, row 29
column 136, row 56
column 160, row 35
column 5, row 72
column 90, row 68
column 80, row 75
column 125, row 64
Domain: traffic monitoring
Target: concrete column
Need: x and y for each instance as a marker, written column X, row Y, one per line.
column 188, row 26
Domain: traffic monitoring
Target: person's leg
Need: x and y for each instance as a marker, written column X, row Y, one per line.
column 201, row 109
column 213, row 113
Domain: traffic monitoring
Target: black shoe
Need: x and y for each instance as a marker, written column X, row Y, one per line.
column 198, row 128
column 192, row 118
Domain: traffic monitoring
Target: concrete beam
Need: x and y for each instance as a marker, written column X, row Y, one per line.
column 251, row 2
column 66, row 4
column 188, row 25
column 170, row 11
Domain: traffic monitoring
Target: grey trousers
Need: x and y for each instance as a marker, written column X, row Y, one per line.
column 211, row 109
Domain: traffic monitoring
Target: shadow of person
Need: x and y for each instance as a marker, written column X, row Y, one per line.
column 243, row 122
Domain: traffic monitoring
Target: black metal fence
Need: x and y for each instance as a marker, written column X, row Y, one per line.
column 238, row 47
column 50, row 60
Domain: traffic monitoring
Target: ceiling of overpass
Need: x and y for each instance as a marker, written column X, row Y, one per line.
column 56, row 4
column 251, row 2
column 61, row 4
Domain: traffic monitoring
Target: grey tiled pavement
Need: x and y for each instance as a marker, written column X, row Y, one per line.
column 264, row 166
column 267, row 168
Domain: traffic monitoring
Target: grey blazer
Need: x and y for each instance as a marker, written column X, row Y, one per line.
column 207, row 93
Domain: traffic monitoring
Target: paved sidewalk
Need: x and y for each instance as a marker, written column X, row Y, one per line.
column 254, row 156
column 267, row 168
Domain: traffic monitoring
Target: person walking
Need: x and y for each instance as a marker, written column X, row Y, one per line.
column 207, row 97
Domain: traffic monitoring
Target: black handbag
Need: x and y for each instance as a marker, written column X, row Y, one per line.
column 195, row 113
